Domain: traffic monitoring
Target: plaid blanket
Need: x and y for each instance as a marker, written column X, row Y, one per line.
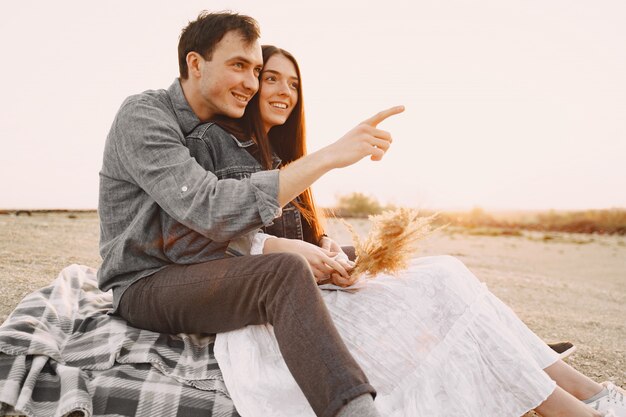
column 61, row 352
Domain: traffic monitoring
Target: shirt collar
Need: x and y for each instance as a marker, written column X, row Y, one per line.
column 187, row 119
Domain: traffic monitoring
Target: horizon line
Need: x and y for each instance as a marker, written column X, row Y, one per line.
column 95, row 210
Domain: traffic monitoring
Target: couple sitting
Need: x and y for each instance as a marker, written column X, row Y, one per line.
column 190, row 175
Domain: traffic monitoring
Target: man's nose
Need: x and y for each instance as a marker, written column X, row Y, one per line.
column 251, row 81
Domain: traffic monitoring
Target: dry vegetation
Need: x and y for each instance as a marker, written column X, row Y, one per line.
column 604, row 222
column 563, row 285
column 391, row 241
column 478, row 221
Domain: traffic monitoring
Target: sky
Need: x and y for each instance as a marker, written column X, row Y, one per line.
column 509, row 104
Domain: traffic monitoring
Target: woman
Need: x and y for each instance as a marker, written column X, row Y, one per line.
column 284, row 144
column 433, row 341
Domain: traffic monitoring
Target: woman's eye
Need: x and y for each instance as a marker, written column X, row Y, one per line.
column 294, row 86
column 270, row 78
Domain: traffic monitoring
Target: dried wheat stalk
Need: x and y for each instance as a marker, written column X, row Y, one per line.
column 391, row 241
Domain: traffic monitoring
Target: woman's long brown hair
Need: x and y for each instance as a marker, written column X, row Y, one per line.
column 288, row 141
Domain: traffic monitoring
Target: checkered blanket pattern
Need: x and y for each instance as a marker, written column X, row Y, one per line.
column 61, row 352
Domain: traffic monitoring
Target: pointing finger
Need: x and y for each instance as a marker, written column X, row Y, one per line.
column 380, row 116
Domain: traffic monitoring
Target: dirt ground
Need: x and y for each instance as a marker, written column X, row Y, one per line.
column 563, row 286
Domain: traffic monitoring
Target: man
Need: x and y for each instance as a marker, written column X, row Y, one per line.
column 148, row 174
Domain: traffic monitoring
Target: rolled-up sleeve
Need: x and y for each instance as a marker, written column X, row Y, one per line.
column 148, row 143
column 265, row 184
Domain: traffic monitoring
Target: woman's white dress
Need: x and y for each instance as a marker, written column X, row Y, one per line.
column 433, row 341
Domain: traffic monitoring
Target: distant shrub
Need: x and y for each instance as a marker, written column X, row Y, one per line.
column 357, row 205
column 475, row 218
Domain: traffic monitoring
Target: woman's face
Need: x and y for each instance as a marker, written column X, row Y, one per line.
column 279, row 91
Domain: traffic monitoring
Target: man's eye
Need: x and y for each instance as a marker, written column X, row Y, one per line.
column 257, row 71
column 238, row 65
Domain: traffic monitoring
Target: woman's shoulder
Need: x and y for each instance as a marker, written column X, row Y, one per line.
column 208, row 129
column 214, row 135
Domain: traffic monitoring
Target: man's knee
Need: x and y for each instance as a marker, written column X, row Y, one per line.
column 288, row 262
column 290, row 268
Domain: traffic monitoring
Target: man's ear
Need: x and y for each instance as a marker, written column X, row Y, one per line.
column 194, row 64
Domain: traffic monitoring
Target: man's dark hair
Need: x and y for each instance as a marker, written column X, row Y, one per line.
column 207, row 30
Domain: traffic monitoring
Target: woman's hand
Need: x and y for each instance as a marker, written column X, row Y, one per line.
column 336, row 278
column 330, row 245
column 322, row 261
column 341, row 281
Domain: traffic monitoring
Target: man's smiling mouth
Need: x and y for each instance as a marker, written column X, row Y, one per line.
column 241, row 97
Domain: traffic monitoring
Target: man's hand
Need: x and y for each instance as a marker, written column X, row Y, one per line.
column 322, row 261
column 363, row 140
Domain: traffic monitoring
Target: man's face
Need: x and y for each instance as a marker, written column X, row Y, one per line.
column 230, row 79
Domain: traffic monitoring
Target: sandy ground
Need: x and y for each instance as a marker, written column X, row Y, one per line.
column 563, row 286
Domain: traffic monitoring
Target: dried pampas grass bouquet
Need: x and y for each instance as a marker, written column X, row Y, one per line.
column 391, row 241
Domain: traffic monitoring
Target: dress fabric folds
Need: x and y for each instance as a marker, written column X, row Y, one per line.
column 432, row 340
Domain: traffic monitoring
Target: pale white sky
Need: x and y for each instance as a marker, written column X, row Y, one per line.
column 510, row 104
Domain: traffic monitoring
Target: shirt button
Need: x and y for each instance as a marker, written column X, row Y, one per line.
column 184, row 188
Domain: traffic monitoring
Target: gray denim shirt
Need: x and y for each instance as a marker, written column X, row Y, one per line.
column 157, row 205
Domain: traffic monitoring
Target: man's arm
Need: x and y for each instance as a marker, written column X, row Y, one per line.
column 147, row 151
column 148, row 146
